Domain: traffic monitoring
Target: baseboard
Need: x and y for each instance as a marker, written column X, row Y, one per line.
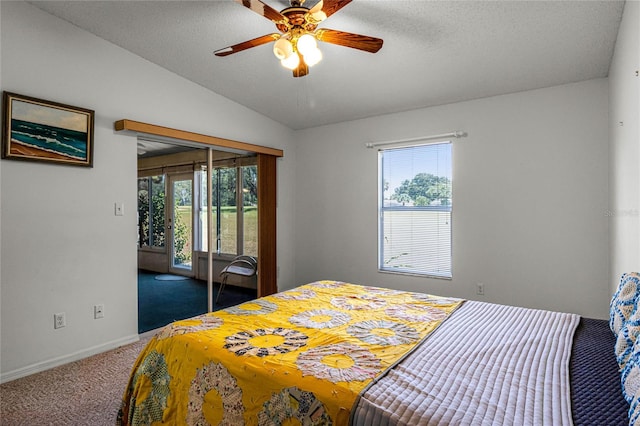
column 76, row 356
column 149, row 334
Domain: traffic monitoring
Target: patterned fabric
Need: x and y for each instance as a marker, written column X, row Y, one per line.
column 624, row 321
column 296, row 295
column 624, row 301
column 627, row 337
column 320, row 318
column 634, row 410
column 215, row 377
column 293, row 403
column 301, row 356
column 249, row 342
column 152, row 377
column 630, row 378
column 343, row 362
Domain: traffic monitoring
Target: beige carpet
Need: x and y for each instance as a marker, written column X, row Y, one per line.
column 85, row 392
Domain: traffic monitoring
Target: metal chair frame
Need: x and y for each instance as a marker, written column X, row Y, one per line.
column 243, row 266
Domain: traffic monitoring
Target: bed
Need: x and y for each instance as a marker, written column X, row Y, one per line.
column 334, row 353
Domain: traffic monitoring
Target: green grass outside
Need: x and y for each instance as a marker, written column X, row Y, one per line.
column 229, row 228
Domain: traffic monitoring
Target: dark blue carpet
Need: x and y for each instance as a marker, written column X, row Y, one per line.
column 162, row 302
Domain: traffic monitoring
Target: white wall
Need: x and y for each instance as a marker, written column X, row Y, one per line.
column 63, row 250
column 624, row 154
column 529, row 190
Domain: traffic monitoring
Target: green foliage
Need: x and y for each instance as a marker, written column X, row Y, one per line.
column 403, row 198
column 224, row 185
column 250, row 186
column 182, row 226
column 151, row 214
column 226, row 177
column 421, row 200
column 143, row 212
column 424, row 189
column 182, row 193
column 157, row 210
column 151, row 211
column 181, row 239
column 441, row 191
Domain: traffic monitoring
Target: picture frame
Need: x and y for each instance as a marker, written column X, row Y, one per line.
column 39, row 130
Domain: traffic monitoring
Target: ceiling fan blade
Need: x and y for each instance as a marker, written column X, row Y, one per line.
column 317, row 7
column 263, row 9
column 247, row 44
column 329, row 7
column 355, row 41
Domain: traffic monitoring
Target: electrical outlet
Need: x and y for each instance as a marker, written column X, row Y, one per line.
column 59, row 320
column 480, row 289
column 98, row 311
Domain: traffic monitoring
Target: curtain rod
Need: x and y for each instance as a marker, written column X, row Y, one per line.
column 456, row 134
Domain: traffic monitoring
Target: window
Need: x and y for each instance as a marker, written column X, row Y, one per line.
column 234, row 217
column 250, row 210
column 225, row 214
column 151, row 197
column 415, row 187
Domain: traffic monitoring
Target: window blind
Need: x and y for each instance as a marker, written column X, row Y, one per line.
column 415, row 209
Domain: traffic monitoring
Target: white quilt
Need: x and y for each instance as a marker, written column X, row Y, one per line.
column 486, row 365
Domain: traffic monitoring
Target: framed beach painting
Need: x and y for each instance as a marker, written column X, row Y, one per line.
column 38, row 130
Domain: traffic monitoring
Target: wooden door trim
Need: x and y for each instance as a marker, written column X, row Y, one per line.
column 167, row 132
column 267, row 220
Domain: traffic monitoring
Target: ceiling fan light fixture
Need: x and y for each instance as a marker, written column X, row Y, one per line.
column 283, row 48
column 306, row 43
column 291, row 62
column 313, row 57
column 318, row 16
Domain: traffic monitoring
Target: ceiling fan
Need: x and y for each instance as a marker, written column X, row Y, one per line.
column 296, row 45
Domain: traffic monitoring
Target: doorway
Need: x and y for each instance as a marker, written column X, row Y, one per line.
column 180, row 224
column 174, row 213
column 267, row 213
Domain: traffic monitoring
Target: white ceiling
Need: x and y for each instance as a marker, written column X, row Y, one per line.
column 434, row 52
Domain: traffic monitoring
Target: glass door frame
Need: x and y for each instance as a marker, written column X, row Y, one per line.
column 171, row 180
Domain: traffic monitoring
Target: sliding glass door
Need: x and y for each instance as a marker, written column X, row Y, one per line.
column 234, row 215
column 181, row 223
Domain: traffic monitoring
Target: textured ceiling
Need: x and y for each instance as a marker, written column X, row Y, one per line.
column 434, row 52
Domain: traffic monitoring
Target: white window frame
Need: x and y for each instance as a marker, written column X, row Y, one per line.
column 199, row 226
column 443, row 270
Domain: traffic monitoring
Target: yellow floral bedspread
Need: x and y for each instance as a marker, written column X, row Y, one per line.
column 301, row 356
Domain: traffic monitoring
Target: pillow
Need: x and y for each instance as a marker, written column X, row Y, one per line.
column 623, row 303
column 627, row 342
column 630, row 378
column 634, row 410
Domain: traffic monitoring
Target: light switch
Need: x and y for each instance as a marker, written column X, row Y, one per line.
column 119, row 209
